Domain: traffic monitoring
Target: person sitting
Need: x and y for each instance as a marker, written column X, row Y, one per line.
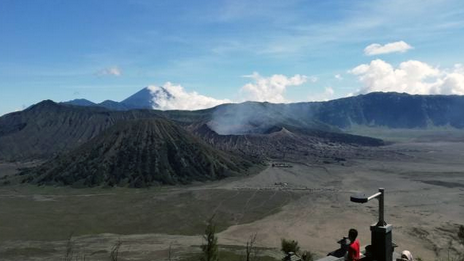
column 353, row 249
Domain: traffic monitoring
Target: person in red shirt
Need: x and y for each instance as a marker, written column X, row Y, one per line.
column 353, row 249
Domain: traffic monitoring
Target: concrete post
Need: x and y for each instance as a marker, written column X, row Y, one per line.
column 381, row 234
column 381, row 240
column 381, row 208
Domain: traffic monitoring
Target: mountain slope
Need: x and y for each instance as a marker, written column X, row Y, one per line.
column 144, row 99
column 45, row 129
column 80, row 102
column 287, row 143
column 113, row 106
column 393, row 110
column 257, row 117
column 139, row 153
column 48, row 128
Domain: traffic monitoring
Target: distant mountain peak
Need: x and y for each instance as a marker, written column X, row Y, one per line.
column 80, row 102
column 45, row 104
column 147, row 98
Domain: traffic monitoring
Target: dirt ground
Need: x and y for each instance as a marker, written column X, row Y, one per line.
column 424, row 202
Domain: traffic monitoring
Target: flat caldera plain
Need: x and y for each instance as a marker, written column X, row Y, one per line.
column 424, row 201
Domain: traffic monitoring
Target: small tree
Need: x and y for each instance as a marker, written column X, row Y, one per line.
column 291, row 246
column 170, row 252
column 210, row 247
column 288, row 246
column 461, row 239
column 69, row 249
column 70, row 255
column 251, row 252
column 115, row 250
column 461, row 234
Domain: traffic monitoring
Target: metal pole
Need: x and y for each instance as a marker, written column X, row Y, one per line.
column 381, row 208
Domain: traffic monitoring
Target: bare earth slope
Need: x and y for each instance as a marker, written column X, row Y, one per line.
column 139, row 153
column 296, row 145
column 48, row 128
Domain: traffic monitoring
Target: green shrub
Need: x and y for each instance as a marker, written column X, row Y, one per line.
column 288, row 246
column 461, row 234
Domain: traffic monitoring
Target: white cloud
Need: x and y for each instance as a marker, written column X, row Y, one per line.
column 324, row 96
column 113, row 71
column 396, row 47
column 313, row 79
column 459, row 68
column 412, row 77
column 179, row 99
column 329, row 91
column 338, row 77
column 271, row 89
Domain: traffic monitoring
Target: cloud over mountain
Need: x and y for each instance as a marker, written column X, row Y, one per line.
column 271, row 89
column 177, row 98
column 395, row 47
column 412, row 77
column 328, row 94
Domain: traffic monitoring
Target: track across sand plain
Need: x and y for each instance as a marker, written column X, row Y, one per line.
column 308, row 203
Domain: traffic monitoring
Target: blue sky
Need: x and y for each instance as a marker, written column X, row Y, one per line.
column 62, row 50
